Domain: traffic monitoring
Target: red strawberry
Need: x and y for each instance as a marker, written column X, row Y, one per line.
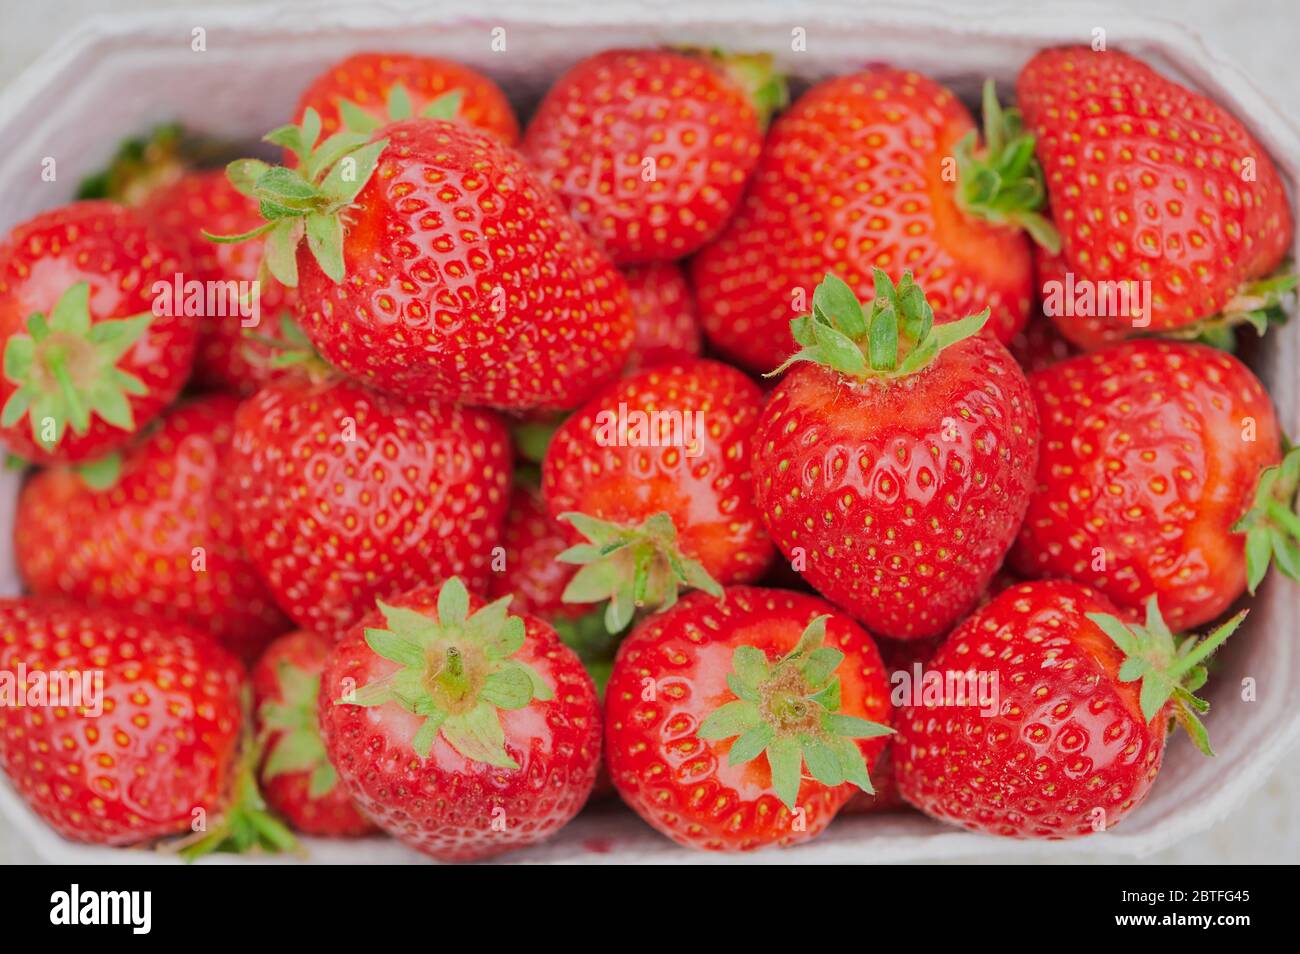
column 1150, row 182
column 649, row 150
column 1152, row 451
column 152, row 743
column 1075, row 737
column 461, row 730
column 667, row 329
column 894, row 462
column 344, row 495
column 654, row 472
column 227, row 358
column 790, row 693
column 86, row 360
column 296, row 775
column 875, row 170
column 436, row 265
column 158, row 539
column 367, row 90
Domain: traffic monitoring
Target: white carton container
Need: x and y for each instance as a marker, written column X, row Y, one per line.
column 120, row 74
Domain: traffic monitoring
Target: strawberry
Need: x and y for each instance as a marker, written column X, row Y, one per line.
column 227, row 359
column 344, row 495
column 1083, row 703
column 159, row 538
column 436, row 265
column 653, row 475
column 875, row 170
column 1152, row 451
column 367, row 90
column 663, row 311
column 460, row 729
column 894, row 462
column 153, row 746
column 1152, row 183
column 86, row 359
column 792, row 694
column 649, row 150
column 296, row 775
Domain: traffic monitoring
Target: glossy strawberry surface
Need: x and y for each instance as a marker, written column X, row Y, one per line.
column 344, row 495
column 699, row 475
column 295, row 775
column 448, row 805
column 1151, row 452
column 108, row 247
column 671, row 674
column 898, row 498
column 466, row 281
column 159, row 746
column 852, row 177
column 161, row 540
column 226, row 359
column 667, row 327
column 648, row 149
column 367, row 80
column 1150, row 182
column 1067, row 751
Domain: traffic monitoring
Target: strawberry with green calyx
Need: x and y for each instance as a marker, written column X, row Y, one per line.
column 737, row 723
column 1000, row 181
column 1272, row 525
column 88, row 357
column 306, row 202
column 486, row 714
column 789, row 711
column 1169, row 671
column 631, row 567
column 366, row 90
column 894, row 460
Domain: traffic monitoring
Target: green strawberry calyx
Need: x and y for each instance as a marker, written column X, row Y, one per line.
column 398, row 106
column 1260, row 303
column 765, row 88
column 292, row 349
column 1169, row 668
column 65, row 370
column 291, row 738
column 1002, row 182
column 308, row 201
column 456, row 670
column 631, row 566
column 1272, row 524
column 790, row 711
column 898, row 338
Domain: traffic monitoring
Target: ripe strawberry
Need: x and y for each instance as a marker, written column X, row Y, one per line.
column 792, row 694
column 1152, row 451
column 367, row 90
column 158, row 539
column 875, row 170
column 893, row 464
column 649, row 150
column 86, row 361
column 1084, row 703
column 654, row 473
column 296, row 775
column 1150, row 182
column 227, row 359
column 459, row 729
column 436, row 265
column 344, row 495
column 154, row 741
column 663, row 311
